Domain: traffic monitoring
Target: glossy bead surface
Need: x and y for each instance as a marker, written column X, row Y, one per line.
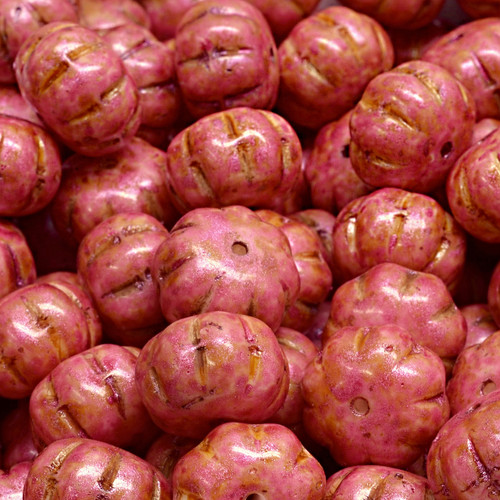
column 210, row 368
column 226, row 259
column 85, row 468
column 410, row 126
column 463, row 463
column 254, row 159
column 389, row 483
column 264, row 461
column 473, row 189
column 80, row 87
column 225, row 57
column 399, row 226
column 92, row 395
column 326, row 62
column 30, row 167
column 471, row 53
column 374, row 396
column 390, row 293
column 42, row 326
column 409, row 15
column 93, row 189
column 17, row 265
column 125, row 295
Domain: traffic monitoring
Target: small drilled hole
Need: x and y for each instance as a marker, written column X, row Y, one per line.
column 239, row 248
column 446, row 149
column 255, row 496
column 345, row 151
column 488, row 386
column 360, row 406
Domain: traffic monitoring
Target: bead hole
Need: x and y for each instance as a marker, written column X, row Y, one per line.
column 446, row 149
column 360, row 407
column 345, row 151
column 255, row 496
column 239, row 248
column 488, row 386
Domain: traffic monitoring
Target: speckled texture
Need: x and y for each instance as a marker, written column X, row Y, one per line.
column 12, row 103
column 126, row 296
column 314, row 271
column 12, row 481
column 226, row 259
column 242, row 156
column 151, row 64
column 473, row 189
column 330, row 177
column 326, row 62
column 416, row 301
column 374, row 396
column 19, row 19
column 463, row 461
column 30, row 167
column 299, row 351
column 85, row 469
column 282, row 15
column 480, row 323
column 98, row 15
column 41, row 326
column 377, row 482
column 471, row 52
column 93, row 189
column 212, row 368
column 475, row 373
column 483, row 128
column 17, row 265
column 225, row 57
column 93, row 395
column 399, row 226
column 74, row 288
column 80, row 87
column 410, row 126
column 409, row 15
column 238, row 460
